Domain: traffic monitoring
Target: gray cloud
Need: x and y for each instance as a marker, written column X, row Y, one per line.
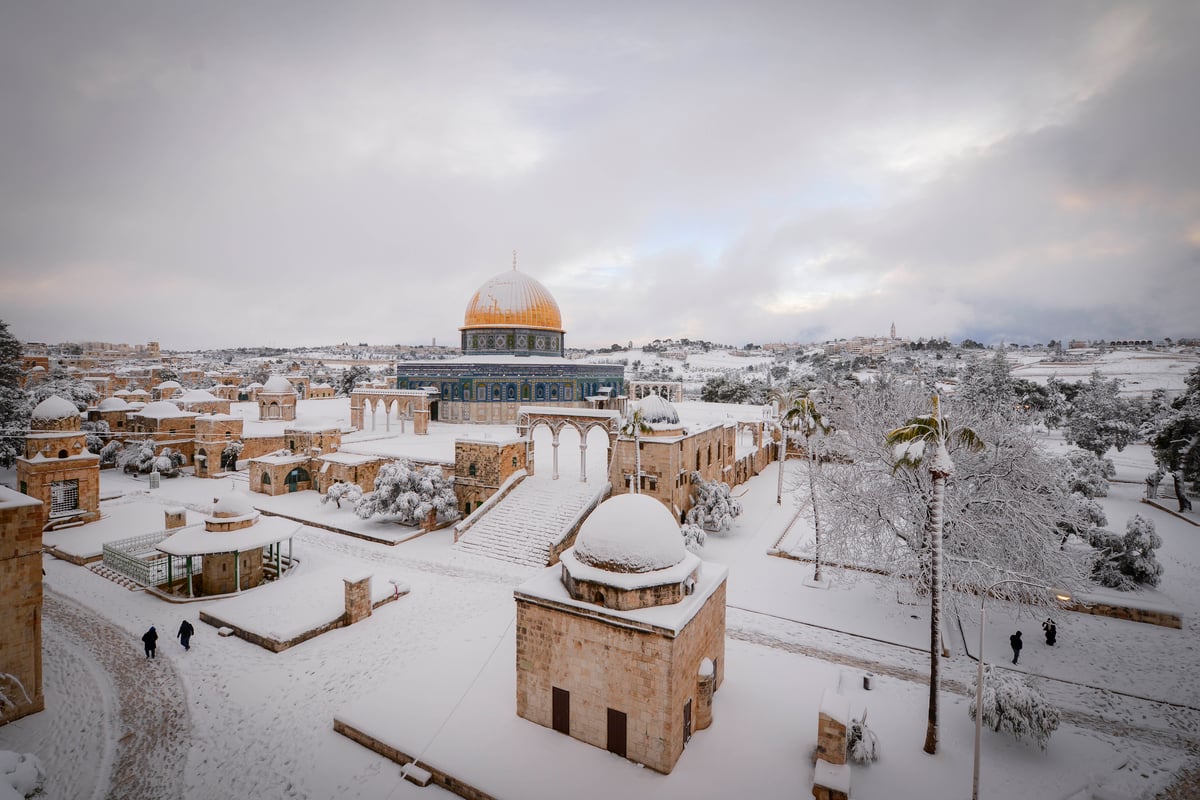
column 302, row 174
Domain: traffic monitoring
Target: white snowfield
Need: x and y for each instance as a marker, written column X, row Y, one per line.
column 434, row 671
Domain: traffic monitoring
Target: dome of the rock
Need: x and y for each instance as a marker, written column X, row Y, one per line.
column 513, row 299
column 630, row 533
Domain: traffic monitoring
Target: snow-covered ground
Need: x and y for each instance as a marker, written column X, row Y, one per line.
column 265, row 720
column 228, row 717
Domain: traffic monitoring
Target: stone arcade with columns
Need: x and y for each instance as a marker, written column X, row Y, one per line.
column 57, row 467
column 513, row 345
column 622, row 645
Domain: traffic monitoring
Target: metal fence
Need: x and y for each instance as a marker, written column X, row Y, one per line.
column 136, row 558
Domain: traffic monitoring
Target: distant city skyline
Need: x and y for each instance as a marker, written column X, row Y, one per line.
column 224, row 176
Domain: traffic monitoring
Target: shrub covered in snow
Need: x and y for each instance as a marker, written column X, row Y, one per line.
column 410, row 494
column 350, row 492
column 693, row 537
column 1125, row 562
column 140, row 457
column 1089, row 474
column 21, row 776
column 862, row 744
column 1011, row 704
column 713, row 508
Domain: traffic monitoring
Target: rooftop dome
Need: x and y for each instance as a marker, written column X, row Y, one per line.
column 232, row 505
column 277, row 384
column 162, row 408
column 113, row 404
column 513, row 300
column 197, row 396
column 55, row 407
column 657, row 411
column 169, row 385
column 630, row 533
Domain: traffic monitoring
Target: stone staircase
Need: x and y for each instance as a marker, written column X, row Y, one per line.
column 525, row 526
column 116, row 577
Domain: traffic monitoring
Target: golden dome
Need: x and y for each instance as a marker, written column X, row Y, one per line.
column 513, row 300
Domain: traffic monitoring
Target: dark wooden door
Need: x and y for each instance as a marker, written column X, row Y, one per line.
column 560, row 712
column 616, row 732
column 687, row 722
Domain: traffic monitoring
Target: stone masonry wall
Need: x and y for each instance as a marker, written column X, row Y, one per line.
column 21, row 607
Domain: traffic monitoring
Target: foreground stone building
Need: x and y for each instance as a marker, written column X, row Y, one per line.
column 20, row 605
column 622, row 645
column 57, row 467
column 513, row 355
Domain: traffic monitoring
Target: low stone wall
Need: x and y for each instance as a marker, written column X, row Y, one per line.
column 1167, row 619
column 442, row 779
column 277, row 646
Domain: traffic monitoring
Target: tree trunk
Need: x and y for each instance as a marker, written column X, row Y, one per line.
column 812, row 493
column 637, row 459
column 935, row 607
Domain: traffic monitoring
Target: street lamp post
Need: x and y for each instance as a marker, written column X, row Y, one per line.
column 979, row 675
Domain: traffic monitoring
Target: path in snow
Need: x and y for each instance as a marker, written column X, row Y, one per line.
column 150, row 703
column 1084, row 706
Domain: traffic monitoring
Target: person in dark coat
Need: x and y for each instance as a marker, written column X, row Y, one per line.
column 150, row 639
column 185, row 634
column 1015, row 641
column 1051, row 631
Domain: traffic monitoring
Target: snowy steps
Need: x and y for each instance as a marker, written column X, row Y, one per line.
column 526, row 525
column 116, row 577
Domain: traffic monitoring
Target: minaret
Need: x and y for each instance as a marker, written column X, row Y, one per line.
column 893, row 330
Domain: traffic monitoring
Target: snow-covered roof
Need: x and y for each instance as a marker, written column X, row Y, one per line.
column 10, row 498
column 55, row 407
column 113, row 404
column 195, row 540
column 254, row 385
column 121, row 393
column 350, row 459
column 278, row 384
column 169, row 385
column 274, row 458
column 630, row 533
column 672, row 617
column 197, row 396
column 656, row 410
column 163, row 409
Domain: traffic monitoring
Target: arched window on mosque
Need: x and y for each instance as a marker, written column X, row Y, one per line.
column 481, row 393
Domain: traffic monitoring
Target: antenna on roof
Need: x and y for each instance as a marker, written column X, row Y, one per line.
column 514, row 260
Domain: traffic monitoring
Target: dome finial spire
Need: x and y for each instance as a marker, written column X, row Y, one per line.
column 514, row 260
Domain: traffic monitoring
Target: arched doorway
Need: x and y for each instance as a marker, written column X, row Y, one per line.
column 296, row 477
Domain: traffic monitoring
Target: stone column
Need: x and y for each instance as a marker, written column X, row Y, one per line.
column 358, row 599
column 554, row 476
column 583, row 461
column 704, row 699
column 421, row 421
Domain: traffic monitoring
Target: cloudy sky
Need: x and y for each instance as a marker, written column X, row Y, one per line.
column 294, row 173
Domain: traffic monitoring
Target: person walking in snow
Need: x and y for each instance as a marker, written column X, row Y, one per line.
column 185, row 634
column 1051, row 631
column 150, row 639
column 1015, row 641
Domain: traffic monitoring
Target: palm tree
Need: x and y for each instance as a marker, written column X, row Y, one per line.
column 911, row 441
column 635, row 426
column 785, row 398
column 807, row 418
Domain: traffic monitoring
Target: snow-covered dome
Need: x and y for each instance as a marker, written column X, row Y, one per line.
column 234, row 504
column 657, row 411
column 55, row 407
column 197, row 396
column 121, row 393
column 160, row 409
column 37, row 368
column 254, row 385
column 630, row 533
column 165, row 385
column 113, row 404
column 278, row 384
